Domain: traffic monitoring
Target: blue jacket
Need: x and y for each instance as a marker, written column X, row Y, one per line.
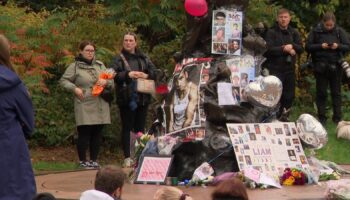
column 16, row 122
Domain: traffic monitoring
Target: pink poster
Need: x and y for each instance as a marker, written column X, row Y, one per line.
column 153, row 169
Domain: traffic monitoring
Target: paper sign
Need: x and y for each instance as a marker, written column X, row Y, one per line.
column 153, row 169
column 225, row 94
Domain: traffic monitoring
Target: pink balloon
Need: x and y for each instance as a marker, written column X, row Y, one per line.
column 196, row 7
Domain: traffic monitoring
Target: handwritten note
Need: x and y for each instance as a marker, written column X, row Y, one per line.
column 154, row 169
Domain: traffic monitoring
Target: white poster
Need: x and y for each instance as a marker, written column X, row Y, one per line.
column 242, row 73
column 227, row 32
column 267, row 147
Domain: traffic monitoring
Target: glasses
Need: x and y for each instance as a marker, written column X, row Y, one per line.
column 89, row 51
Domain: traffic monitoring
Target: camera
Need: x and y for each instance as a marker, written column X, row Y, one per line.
column 346, row 67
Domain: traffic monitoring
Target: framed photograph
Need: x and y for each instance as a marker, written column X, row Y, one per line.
column 153, row 169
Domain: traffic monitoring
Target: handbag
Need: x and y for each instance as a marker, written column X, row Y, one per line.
column 146, row 86
column 107, row 95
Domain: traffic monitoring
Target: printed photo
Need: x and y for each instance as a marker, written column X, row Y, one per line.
column 252, row 136
column 288, row 143
column 248, row 161
column 296, row 141
column 303, row 159
column 286, row 129
column 219, row 34
column 257, row 128
column 219, row 18
column 292, row 155
column 297, row 148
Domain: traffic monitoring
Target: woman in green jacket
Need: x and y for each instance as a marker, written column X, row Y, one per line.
column 91, row 112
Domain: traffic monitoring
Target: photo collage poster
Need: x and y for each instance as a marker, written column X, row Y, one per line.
column 227, row 32
column 267, row 147
column 183, row 109
column 242, row 73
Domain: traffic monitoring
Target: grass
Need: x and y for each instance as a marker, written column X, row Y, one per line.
column 336, row 150
column 41, row 167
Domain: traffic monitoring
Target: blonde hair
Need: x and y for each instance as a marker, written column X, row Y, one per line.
column 170, row 193
column 5, row 52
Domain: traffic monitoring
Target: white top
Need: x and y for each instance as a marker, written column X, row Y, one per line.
column 95, row 195
column 180, row 106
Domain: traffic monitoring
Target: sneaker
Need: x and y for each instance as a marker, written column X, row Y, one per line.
column 94, row 164
column 128, row 162
column 84, row 164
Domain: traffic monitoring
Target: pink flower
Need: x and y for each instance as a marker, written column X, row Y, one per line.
column 139, row 134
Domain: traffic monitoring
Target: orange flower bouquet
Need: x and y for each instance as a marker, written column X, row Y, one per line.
column 108, row 74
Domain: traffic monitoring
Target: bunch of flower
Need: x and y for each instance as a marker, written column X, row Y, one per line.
column 107, row 74
column 140, row 143
column 293, row 176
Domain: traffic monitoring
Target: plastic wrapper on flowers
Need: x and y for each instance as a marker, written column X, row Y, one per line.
column 339, row 189
column 166, row 144
column 311, row 133
column 264, row 92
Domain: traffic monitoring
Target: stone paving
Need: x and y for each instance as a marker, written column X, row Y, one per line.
column 69, row 186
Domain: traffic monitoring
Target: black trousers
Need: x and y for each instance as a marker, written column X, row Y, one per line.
column 131, row 121
column 288, row 92
column 331, row 76
column 89, row 136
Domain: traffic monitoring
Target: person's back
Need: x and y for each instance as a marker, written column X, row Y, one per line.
column 109, row 183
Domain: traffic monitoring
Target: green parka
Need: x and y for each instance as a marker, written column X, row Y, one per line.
column 91, row 110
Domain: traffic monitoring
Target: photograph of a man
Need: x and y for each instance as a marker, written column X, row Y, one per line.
column 183, row 106
column 219, row 19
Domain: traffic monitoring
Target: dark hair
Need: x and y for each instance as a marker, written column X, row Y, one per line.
column 109, row 178
column 5, row 52
column 232, row 189
column 220, row 14
column 282, row 11
column 132, row 34
column 44, row 196
column 84, row 43
column 328, row 16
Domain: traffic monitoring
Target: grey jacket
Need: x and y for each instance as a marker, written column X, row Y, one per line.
column 91, row 110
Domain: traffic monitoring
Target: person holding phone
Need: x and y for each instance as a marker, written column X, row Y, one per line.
column 327, row 43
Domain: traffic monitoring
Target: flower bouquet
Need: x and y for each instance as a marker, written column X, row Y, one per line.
column 140, row 143
column 108, row 74
column 293, row 176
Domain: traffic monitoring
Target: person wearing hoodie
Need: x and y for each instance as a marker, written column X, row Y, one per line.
column 91, row 112
column 16, row 124
column 109, row 184
column 130, row 65
column 283, row 46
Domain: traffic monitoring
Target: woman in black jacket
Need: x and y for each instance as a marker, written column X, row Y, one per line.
column 327, row 44
column 130, row 65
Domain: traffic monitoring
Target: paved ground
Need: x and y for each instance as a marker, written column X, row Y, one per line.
column 69, row 185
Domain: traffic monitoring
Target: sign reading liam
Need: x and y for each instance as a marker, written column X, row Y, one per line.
column 267, row 147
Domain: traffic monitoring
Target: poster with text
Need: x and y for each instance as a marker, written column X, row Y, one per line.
column 227, row 32
column 267, row 147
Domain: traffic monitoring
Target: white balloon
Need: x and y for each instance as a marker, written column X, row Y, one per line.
column 311, row 133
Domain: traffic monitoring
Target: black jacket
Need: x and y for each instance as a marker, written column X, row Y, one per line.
column 320, row 35
column 276, row 38
column 124, row 84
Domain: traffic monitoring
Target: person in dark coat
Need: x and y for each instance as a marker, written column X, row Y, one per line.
column 283, row 45
column 133, row 106
column 327, row 44
column 16, row 124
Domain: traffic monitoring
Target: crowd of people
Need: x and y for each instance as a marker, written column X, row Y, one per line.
column 327, row 43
